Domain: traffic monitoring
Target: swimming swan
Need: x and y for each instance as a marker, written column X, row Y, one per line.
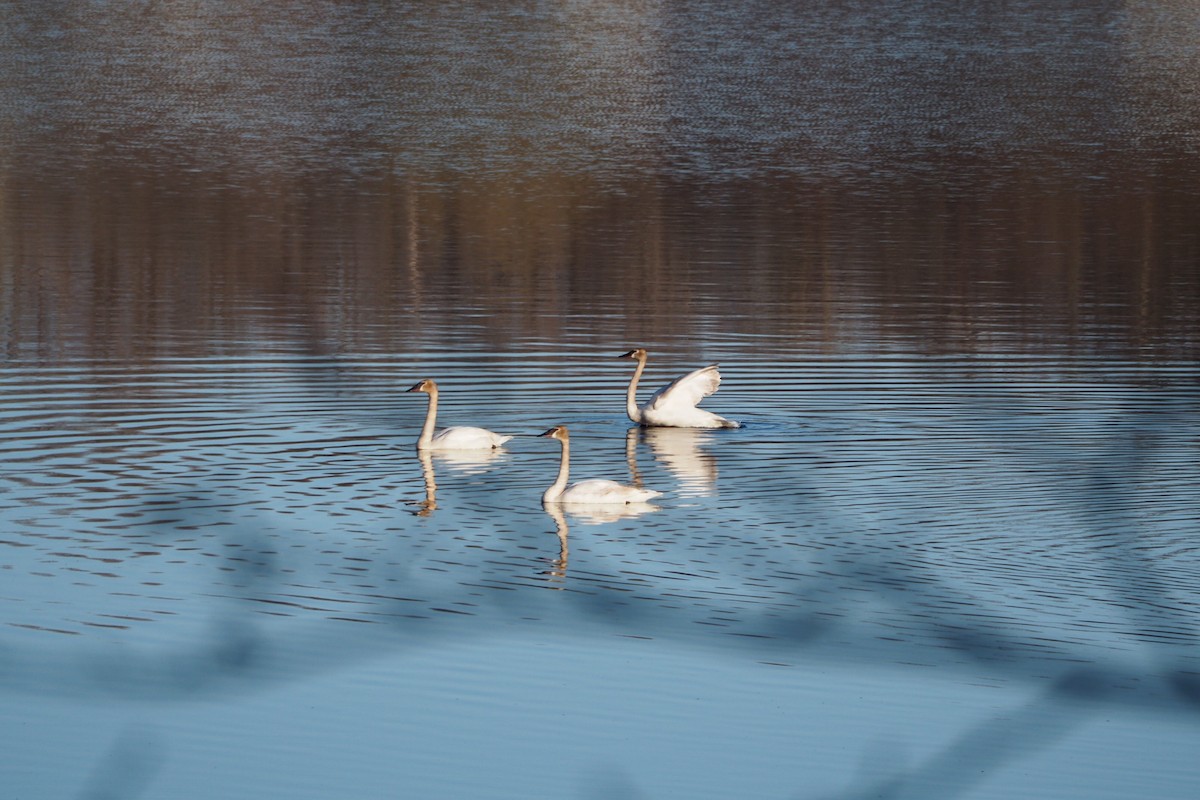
column 589, row 491
column 674, row 405
column 456, row 438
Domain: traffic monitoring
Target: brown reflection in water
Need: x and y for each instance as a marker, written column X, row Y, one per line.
column 120, row 265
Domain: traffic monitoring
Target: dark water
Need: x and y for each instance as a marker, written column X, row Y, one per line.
column 946, row 255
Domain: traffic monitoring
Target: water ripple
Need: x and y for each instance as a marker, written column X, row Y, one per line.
column 909, row 497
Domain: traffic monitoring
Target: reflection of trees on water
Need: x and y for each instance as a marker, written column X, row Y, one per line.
column 365, row 302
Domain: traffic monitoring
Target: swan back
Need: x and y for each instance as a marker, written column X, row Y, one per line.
column 462, row 437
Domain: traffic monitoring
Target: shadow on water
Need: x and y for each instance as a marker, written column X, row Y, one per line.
column 128, row 767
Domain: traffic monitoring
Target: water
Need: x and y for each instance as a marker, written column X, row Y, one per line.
column 948, row 265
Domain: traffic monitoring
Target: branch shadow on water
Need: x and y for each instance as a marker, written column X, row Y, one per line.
column 128, row 767
column 1104, row 501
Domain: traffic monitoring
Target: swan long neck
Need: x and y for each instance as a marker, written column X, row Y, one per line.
column 631, row 407
column 564, row 468
column 430, row 420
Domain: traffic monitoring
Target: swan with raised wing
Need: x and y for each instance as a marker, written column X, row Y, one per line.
column 674, row 405
column 454, row 438
column 595, row 490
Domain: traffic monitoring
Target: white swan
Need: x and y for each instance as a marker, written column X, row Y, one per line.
column 674, row 405
column 456, row 438
column 589, row 491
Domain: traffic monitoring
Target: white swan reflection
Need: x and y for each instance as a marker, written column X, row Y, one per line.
column 592, row 514
column 558, row 567
column 464, row 462
column 681, row 451
column 588, row 514
column 429, row 504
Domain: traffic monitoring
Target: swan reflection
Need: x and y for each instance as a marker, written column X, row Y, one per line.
column 592, row 514
column 429, row 504
column 680, row 451
column 465, row 462
column 558, row 567
column 588, row 514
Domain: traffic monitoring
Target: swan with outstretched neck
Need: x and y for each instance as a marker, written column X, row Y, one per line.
column 594, row 490
column 674, row 405
column 454, row 438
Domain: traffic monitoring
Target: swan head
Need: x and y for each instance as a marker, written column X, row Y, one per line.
column 557, row 432
column 637, row 354
column 426, row 386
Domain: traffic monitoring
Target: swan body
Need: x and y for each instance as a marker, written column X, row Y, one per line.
column 455, row 438
column 593, row 491
column 674, row 405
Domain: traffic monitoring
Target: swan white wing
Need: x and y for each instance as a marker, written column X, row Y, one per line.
column 466, row 438
column 602, row 491
column 686, row 390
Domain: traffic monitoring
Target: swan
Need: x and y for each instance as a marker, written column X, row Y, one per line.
column 456, row 438
column 674, row 405
column 590, row 491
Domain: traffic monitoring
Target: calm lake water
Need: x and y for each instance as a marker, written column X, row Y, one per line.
column 947, row 256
